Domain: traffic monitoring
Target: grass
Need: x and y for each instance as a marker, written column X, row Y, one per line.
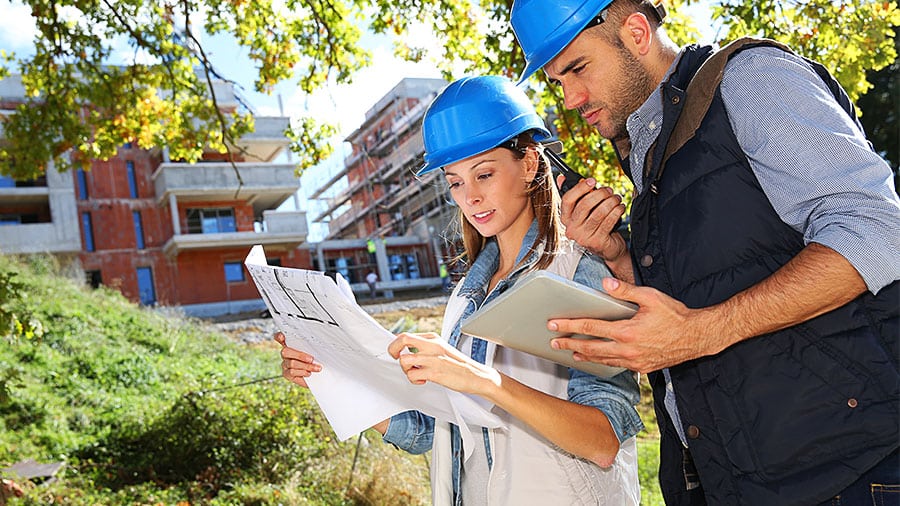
column 146, row 409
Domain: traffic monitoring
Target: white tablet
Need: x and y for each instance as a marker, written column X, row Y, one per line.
column 518, row 318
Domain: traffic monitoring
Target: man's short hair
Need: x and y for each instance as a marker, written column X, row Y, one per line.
column 616, row 14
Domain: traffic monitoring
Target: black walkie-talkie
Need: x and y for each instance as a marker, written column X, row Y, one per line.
column 558, row 166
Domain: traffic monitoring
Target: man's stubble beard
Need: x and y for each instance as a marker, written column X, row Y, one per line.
column 632, row 89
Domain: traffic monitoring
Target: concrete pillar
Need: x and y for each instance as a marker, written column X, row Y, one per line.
column 173, row 209
column 384, row 269
column 320, row 254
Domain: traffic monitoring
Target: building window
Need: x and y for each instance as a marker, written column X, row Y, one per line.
column 10, row 219
column 82, row 184
column 88, row 231
column 93, row 278
column 138, row 229
column 20, row 218
column 145, row 286
column 404, row 266
column 8, row 182
column 210, row 221
column 132, row 181
column 127, row 145
column 234, row 272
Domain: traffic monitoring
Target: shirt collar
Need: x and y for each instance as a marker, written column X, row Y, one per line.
column 648, row 117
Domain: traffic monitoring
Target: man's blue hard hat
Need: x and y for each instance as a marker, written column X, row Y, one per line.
column 545, row 28
column 473, row 115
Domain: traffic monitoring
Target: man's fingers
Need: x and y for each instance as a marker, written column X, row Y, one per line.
column 602, row 210
column 279, row 338
column 573, row 197
column 583, row 326
column 594, row 350
column 626, row 291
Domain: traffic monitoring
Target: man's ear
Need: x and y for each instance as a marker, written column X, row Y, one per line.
column 637, row 34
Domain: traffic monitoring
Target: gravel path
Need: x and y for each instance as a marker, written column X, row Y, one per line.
column 255, row 330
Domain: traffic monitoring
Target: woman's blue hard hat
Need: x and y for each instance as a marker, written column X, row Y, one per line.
column 473, row 115
column 545, row 28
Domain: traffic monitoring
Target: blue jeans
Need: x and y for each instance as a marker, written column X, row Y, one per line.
column 879, row 486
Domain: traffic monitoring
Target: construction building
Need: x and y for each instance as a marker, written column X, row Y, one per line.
column 163, row 231
column 383, row 218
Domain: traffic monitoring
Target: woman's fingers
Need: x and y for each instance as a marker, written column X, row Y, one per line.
column 296, row 365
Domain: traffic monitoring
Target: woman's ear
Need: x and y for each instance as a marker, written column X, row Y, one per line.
column 532, row 157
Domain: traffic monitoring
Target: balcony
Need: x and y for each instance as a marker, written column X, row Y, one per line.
column 331, row 182
column 341, row 198
column 426, row 183
column 61, row 234
column 282, row 230
column 26, row 195
column 412, row 149
column 266, row 141
column 265, row 185
column 56, row 237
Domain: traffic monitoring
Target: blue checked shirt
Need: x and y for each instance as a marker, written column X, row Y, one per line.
column 811, row 160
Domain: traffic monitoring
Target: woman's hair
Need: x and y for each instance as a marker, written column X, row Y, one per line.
column 545, row 202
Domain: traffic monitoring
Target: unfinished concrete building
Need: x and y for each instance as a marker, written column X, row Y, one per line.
column 384, row 218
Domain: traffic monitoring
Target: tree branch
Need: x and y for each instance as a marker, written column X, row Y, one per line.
column 226, row 137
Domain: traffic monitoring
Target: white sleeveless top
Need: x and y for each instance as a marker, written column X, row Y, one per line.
column 528, row 468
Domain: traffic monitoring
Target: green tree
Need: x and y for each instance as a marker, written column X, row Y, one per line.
column 849, row 38
column 881, row 110
column 79, row 107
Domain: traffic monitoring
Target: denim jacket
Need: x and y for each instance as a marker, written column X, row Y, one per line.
column 414, row 432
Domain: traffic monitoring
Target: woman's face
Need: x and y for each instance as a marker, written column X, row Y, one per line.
column 490, row 190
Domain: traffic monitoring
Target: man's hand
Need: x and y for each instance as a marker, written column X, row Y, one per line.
column 664, row 332
column 589, row 215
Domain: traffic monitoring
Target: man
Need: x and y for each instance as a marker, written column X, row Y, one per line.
column 445, row 277
column 765, row 240
column 371, row 279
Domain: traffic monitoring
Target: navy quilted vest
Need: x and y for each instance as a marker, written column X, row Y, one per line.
column 768, row 418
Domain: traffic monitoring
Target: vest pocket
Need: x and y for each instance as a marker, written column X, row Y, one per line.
column 789, row 402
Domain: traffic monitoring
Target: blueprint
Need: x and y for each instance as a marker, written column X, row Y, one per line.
column 360, row 383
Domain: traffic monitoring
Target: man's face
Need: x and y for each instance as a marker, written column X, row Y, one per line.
column 604, row 82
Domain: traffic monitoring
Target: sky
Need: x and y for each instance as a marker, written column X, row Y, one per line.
column 344, row 105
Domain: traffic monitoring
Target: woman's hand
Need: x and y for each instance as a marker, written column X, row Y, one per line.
column 296, row 365
column 430, row 358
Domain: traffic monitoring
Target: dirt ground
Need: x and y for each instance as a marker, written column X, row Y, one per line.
column 426, row 319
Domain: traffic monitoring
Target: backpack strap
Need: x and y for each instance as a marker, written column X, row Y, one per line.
column 705, row 83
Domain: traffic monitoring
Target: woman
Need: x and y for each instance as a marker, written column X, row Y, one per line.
column 569, row 436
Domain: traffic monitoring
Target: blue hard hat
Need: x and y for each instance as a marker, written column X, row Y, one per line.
column 473, row 115
column 544, row 28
